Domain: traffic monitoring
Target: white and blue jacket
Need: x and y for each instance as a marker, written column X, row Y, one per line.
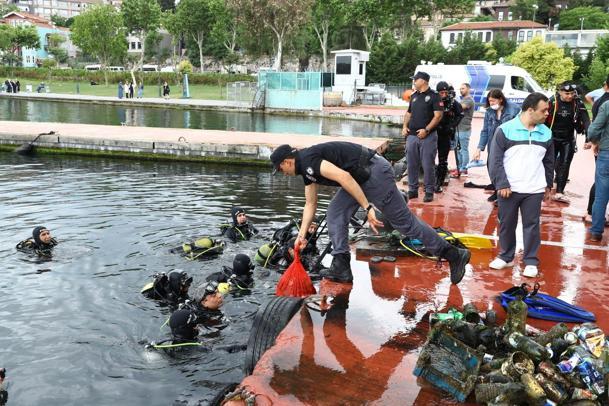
column 520, row 159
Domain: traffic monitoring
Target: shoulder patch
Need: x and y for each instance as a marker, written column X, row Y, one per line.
column 309, row 170
column 414, row 99
column 427, row 98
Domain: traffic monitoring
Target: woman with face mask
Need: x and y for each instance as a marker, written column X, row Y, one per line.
column 498, row 111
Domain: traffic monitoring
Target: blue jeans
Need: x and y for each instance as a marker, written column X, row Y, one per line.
column 463, row 153
column 601, row 196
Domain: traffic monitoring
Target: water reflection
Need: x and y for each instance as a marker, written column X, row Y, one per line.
column 86, row 113
column 75, row 334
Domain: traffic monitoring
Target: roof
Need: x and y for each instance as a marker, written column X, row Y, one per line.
column 492, row 25
column 33, row 19
column 349, row 51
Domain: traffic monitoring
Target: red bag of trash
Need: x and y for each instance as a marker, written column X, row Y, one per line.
column 295, row 280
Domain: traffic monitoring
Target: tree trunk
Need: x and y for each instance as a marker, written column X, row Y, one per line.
column 323, row 42
column 277, row 63
column 199, row 40
column 143, row 39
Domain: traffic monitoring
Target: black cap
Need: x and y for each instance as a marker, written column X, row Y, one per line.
column 420, row 75
column 442, row 86
column 279, row 154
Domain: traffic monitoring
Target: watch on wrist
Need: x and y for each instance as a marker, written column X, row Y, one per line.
column 369, row 208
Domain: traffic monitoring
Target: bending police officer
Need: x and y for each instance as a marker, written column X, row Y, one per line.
column 364, row 179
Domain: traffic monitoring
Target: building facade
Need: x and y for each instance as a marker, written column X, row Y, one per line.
column 577, row 40
column 62, row 8
column 519, row 31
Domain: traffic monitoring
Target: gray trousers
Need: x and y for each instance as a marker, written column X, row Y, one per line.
column 422, row 152
column 382, row 191
column 529, row 205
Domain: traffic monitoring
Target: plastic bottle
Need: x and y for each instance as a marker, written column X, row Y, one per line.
column 553, row 391
column 559, row 330
column 516, row 320
column 525, row 344
column 558, row 346
column 452, row 314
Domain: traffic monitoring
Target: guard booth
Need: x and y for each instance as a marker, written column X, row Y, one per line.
column 350, row 73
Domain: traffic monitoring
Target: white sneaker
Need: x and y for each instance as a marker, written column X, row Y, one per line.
column 499, row 263
column 530, row 271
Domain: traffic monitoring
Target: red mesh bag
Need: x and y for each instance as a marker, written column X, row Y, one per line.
column 295, row 280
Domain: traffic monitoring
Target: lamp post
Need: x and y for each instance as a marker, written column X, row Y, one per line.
column 581, row 23
column 550, row 23
column 535, row 7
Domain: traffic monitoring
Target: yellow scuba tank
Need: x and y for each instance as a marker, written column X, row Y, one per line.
column 265, row 252
column 147, row 287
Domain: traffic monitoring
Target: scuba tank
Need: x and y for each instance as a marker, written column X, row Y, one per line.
column 265, row 253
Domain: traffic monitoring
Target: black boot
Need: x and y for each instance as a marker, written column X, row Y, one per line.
column 457, row 259
column 340, row 270
column 493, row 197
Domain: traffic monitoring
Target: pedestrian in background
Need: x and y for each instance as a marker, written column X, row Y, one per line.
column 166, row 90
column 120, row 89
column 498, row 111
column 420, row 123
column 140, row 90
column 522, row 169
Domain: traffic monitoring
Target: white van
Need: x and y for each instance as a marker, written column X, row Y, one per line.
column 116, row 68
column 150, row 68
column 515, row 82
column 93, row 67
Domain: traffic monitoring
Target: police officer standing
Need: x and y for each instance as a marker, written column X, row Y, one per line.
column 568, row 115
column 453, row 113
column 420, row 123
column 365, row 180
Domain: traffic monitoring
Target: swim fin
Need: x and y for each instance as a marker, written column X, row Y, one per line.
column 546, row 307
column 474, row 240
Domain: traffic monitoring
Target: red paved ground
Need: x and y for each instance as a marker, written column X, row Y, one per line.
column 364, row 349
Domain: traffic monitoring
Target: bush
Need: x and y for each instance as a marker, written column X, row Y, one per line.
column 150, row 78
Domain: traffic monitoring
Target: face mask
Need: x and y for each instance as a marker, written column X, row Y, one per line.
column 495, row 106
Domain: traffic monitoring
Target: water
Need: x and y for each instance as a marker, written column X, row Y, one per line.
column 87, row 113
column 76, row 334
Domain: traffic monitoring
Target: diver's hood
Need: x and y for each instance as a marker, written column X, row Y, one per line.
column 233, row 213
column 242, row 265
column 182, row 324
column 36, row 236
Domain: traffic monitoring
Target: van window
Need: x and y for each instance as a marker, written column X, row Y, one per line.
column 519, row 83
column 496, row 82
column 343, row 65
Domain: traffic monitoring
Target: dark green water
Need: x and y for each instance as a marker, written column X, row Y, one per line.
column 76, row 335
column 86, row 113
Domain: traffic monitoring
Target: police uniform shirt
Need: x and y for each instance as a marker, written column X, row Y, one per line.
column 563, row 125
column 421, row 109
column 344, row 155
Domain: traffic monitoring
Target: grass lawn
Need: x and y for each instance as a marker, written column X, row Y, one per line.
column 206, row 92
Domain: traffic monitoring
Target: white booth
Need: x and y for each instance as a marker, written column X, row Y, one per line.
column 349, row 73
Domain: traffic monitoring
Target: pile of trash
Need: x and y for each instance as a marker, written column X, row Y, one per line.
column 514, row 364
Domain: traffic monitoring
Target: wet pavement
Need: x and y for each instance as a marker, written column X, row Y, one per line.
column 363, row 350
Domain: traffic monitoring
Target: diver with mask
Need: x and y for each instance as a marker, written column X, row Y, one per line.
column 239, row 277
column 240, row 229
column 171, row 288
column 41, row 243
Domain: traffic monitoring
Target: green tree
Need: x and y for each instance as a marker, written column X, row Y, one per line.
column 524, row 9
column 481, row 18
column 596, row 74
column 99, row 32
column 328, row 15
column 372, row 16
column 7, row 8
column 467, row 48
column 452, row 8
column 54, row 42
column 196, row 20
column 503, row 47
column 593, row 18
column 544, row 61
column 282, row 17
column 167, row 5
column 14, row 39
column 602, row 48
column 141, row 17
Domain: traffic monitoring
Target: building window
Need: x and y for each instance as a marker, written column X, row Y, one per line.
column 361, row 68
column 460, row 36
column 451, row 39
column 343, row 65
column 529, row 35
column 538, row 33
column 510, row 35
column 488, row 36
column 480, row 36
column 520, row 36
column 139, row 45
column 132, row 45
column 500, row 16
column 510, row 16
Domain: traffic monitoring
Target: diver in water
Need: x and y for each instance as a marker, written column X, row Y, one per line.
column 202, row 248
column 239, row 277
column 240, row 229
column 284, row 234
column 170, row 288
column 41, row 242
column 3, row 392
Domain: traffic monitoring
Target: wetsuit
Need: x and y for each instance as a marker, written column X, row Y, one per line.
column 446, row 133
column 168, row 288
column 564, row 120
column 239, row 232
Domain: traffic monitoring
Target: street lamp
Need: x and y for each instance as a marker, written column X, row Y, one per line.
column 581, row 23
column 535, row 7
column 550, row 23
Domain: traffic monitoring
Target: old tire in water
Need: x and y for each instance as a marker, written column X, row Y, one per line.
column 270, row 319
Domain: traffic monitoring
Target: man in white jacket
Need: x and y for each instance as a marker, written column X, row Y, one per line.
column 522, row 169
